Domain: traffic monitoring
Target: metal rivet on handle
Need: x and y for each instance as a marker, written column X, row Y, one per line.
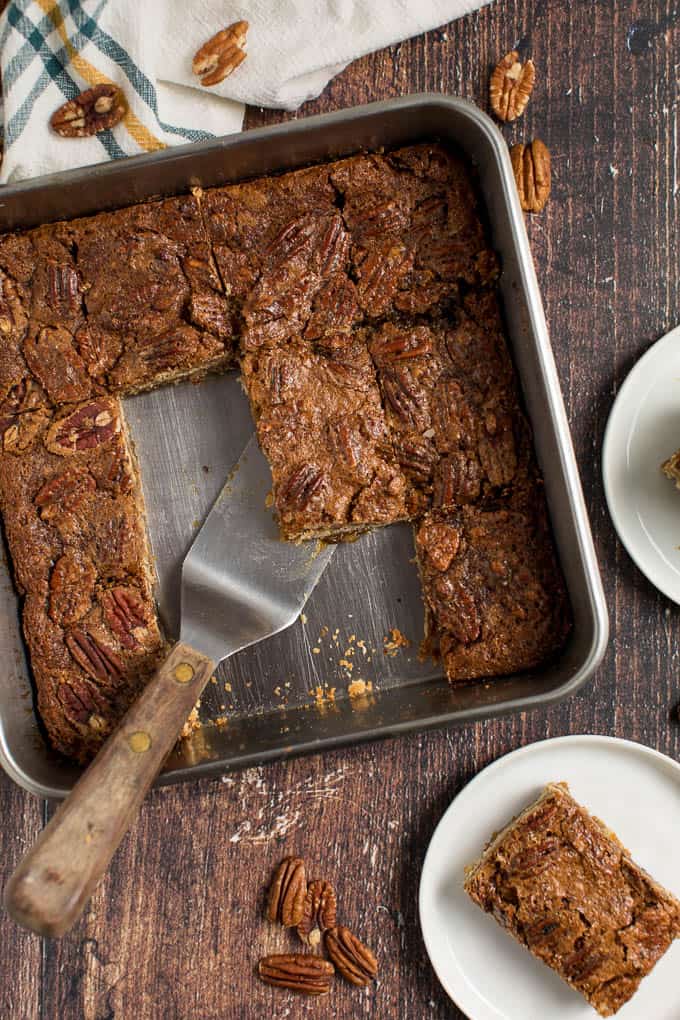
column 183, row 673
column 139, row 741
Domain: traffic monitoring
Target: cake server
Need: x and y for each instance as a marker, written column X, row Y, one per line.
column 240, row 584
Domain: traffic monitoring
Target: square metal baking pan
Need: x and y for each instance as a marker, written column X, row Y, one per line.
column 188, row 438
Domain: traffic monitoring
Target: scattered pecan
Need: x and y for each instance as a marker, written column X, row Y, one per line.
column 345, row 440
column 428, row 216
column 92, row 655
column 125, row 611
column 24, row 396
column 531, row 166
column 333, row 246
column 166, row 350
column 510, row 86
column 221, row 55
column 345, row 361
column 80, row 700
column 457, row 480
column 92, row 111
column 352, row 958
column 498, row 454
column 534, row 858
column 456, row 610
column 299, row 972
column 318, row 912
column 71, row 586
column 51, row 356
column 453, row 418
column 88, row 426
column 112, row 472
column 301, row 487
column 63, row 492
column 370, row 220
column 440, row 542
column 13, row 318
column 287, row 892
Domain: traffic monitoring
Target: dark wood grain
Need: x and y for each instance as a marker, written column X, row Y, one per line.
column 175, row 931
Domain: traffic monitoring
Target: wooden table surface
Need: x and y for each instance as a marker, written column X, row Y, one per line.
column 175, row 930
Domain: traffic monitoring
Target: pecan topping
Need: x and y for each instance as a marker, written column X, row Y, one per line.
column 112, row 472
column 301, row 486
column 380, row 273
column 71, row 585
column 92, row 655
column 166, row 350
column 510, row 86
column 344, row 360
column 20, row 431
column 310, row 975
column 287, row 892
column 372, row 221
column 90, row 425
column 125, row 611
column 318, row 912
column 457, row 610
column 54, row 361
column 497, row 453
column 335, row 308
column 405, row 398
column 457, row 480
column 25, row 396
column 352, row 958
column 406, row 344
column 333, row 246
column 417, row 457
column 62, row 492
column 221, row 55
column 13, row 318
column 80, row 700
column 440, row 543
column 531, row 166
column 63, row 286
column 92, row 111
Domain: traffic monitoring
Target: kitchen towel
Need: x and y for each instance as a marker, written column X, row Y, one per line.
column 51, row 50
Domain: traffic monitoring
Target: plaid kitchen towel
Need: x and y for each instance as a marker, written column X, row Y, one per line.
column 51, row 50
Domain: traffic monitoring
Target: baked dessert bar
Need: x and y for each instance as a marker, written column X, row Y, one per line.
column 494, row 597
column 564, row 886
column 321, row 425
column 74, row 519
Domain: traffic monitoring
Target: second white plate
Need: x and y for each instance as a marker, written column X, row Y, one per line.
column 634, row 789
column 643, row 430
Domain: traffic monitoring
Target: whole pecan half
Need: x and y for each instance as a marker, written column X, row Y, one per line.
column 124, row 611
column 71, row 585
column 92, row 111
column 457, row 479
column 380, row 272
column 531, row 167
column 89, row 425
column 318, row 912
column 417, row 458
column 510, row 86
column 63, row 492
column 352, row 958
column 80, row 700
column 287, row 892
column 299, row 972
column 93, row 656
column 301, row 486
column 456, row 610
column 221, row 55
column 63, row 285
column 401, row 344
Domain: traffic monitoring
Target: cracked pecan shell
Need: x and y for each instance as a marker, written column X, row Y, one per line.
column 319, row 911
column 351, row 958
column 510, row 86
column 92, row 111
column 298, row 972
column 287, row 892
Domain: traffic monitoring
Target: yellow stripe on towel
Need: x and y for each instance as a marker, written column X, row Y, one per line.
column 141, row 134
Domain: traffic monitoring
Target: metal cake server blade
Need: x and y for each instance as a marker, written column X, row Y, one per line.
column 240, row 584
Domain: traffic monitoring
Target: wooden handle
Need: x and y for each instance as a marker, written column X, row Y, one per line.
column 53, row 882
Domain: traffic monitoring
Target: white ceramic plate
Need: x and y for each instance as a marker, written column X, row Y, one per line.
column 635, row 790
column 643, row 430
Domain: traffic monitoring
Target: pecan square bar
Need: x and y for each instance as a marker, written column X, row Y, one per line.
column 494, row 596
column 321, row 425
column 563, row 885
column 74, row 520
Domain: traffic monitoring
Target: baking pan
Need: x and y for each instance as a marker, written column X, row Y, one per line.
column 276, row 698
